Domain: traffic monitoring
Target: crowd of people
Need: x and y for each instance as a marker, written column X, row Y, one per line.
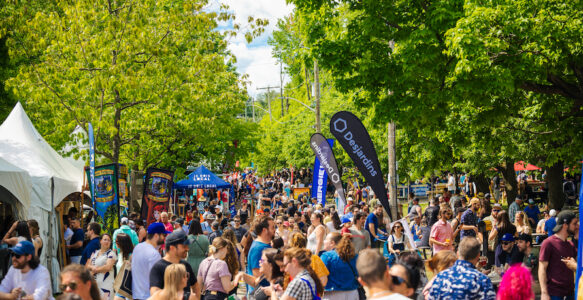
column 277, row 245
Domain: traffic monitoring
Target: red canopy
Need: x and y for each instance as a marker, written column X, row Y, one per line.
column 522, row 166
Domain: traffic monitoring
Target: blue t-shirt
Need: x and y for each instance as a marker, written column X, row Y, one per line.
column 342, row 274
column 254, row 256
column 372, row 218
column 91, row 247
column 78, row 235
column 532, row 213
column 550, row 224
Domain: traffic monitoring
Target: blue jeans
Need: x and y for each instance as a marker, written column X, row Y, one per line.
column 570, row 297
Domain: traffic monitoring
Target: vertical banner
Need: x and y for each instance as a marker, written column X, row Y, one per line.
column 106, row 196
column 323, row 150
column 232, row 208
column 157, row 187
column 91, row 162
column 123, row 190
column 354, row 138
column 580, row 242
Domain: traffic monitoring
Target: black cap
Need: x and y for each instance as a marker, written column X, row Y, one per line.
column 564, row 217
column 177, row 237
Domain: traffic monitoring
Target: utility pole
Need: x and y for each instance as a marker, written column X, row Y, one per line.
column 317, row 95
column 281, row 85
column 253, row 105
column 392, row 171
column 268, row 97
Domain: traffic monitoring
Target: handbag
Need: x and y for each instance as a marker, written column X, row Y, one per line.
column 123, row 282
column 360, row 289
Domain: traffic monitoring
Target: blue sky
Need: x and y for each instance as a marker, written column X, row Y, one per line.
column 255, row 59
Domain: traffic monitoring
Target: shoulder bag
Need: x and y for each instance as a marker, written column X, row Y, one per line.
column 360, row 289
column 123, row 282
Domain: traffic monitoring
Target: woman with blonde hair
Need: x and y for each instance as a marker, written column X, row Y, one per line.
column 340, row 259
column 440, row 261
column 522, row 224
column 299, row 240
column 218, row 272
column 175, row 280
column 305, row 283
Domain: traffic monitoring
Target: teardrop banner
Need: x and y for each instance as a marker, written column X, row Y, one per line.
column 324, row 154
column 354, row 138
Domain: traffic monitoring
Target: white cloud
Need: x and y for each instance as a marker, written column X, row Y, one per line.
column 255, row 59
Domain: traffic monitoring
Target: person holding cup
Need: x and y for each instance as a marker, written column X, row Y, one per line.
column 442, row 232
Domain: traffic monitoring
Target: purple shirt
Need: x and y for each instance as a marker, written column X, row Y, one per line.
column 211, row 270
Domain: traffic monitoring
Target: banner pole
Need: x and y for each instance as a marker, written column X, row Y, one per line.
column 580, row 242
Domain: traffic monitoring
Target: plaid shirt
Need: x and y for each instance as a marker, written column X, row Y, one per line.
column 298, row 289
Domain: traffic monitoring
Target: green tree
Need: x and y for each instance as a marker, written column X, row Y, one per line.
column 472, row 85
column 155, row 78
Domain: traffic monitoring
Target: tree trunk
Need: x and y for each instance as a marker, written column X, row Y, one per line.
column 555, row 183
column 116, row 138
column 510, row 183
column 482, row 184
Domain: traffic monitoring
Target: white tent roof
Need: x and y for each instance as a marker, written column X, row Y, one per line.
column 16, row 180
column 22, row 145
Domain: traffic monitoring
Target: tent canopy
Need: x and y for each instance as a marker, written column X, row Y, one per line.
column 202, row 178
column 522, row 166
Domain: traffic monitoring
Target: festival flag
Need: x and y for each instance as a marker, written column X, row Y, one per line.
column 354, row 138
column 157, row 193
column 580, row 243
column 323, row 150
column 91, row 162
column 106, row 196
column 319, row 178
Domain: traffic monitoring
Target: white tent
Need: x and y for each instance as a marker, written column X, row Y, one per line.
column 52, row 179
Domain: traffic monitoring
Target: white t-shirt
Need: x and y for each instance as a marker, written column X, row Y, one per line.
column 35, row 282
column 394, row 296
column 451, row 183
column 143, row 259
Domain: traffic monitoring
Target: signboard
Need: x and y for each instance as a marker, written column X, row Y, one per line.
column 106, row 196
column 157, row 193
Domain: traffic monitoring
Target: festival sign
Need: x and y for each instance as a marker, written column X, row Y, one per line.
column 157, row 193
column 106, row 197
column 354, row 138
column 123, row 190
column 323, row 150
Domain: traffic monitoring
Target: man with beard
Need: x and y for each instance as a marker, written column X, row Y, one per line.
column 556, row 259
column 265, row 230
column 360, row 236
column 145, row 255
column 469, row 221
column 176, row 250
column 372, row 226
column 26, row 279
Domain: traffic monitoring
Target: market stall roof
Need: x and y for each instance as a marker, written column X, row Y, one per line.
column 202, row 178
column 522, row 166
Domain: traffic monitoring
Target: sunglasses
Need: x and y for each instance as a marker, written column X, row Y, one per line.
column 398, row 280
column 506, row 243
column 398, row 227
column 17, row 256
column 72, row 285
column 237, row 221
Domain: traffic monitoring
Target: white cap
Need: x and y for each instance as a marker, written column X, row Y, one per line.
column 553, row 213
column 124, row 220
column 350, row 199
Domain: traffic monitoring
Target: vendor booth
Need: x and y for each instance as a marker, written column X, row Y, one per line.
column 39, row 183
column 201, row 178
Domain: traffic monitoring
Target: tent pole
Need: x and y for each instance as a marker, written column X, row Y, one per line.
column 52, row 217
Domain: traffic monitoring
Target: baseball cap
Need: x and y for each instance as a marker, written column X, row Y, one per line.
column 177, row 237
column 553, row 213
column 530, row 201
column 345, row 220
column 525, row 237
column 124, row 220
column 481, row 195
column 349, row 199
column 157, row 227
column 23, row 248
column 564, row 217
column 508, row 237
column 497, row 205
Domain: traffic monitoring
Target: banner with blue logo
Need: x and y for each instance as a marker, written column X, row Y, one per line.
column 91, row 163
column 580, row 245
column 320, row 179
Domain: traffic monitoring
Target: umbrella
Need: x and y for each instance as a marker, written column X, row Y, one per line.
column 522, row 166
